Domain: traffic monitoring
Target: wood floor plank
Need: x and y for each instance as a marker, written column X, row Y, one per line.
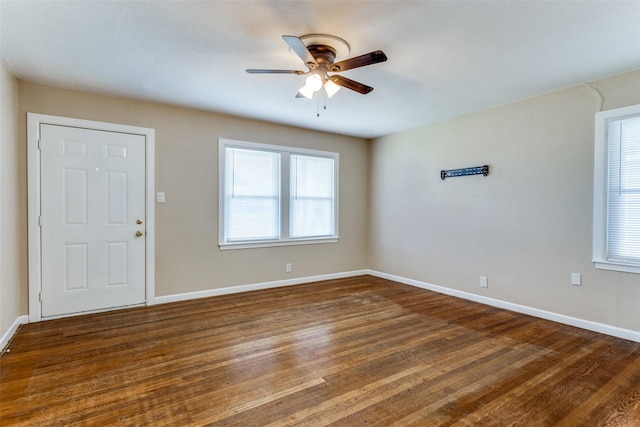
column 626, row 381
column 346, row 352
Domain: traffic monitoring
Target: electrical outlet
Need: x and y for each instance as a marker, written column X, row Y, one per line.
column 287, row 267
column 576, row 279
column 483, row 281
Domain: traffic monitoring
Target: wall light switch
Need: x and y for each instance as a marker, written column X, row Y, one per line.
column 160, row 197
column 576, row 279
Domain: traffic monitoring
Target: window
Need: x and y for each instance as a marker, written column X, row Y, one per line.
column 616, row 218
column 274, row 195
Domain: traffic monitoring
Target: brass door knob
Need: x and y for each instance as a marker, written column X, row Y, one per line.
column 138, row 221
column 139, row 233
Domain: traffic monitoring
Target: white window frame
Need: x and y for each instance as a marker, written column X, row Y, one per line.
column 286, row 152
column 600, row 190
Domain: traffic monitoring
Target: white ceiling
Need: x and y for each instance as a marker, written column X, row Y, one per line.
column 446, row 58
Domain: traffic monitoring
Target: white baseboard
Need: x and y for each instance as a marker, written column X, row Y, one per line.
column 602, row 328
column 254, row 287
column 22, row 320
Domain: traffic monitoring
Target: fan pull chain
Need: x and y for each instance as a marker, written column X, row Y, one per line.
column 324, row 107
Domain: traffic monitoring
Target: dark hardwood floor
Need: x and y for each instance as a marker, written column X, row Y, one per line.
column 353, row 352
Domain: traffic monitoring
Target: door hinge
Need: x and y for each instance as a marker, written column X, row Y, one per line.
column 40, row 296
column 40, row 220
column 39, row 144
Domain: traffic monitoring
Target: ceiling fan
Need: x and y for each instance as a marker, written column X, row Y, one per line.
column 319, row 53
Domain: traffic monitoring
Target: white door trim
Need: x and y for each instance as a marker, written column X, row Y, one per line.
column 33, row 188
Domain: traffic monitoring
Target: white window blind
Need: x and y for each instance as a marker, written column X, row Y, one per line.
column 312, row 196
column 276, row 195
column 252, row 195
column 623, row 190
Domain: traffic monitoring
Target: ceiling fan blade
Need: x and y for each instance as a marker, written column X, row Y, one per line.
column 260, row 71
column 351, row 84
column 298, row 46
column 359, row 61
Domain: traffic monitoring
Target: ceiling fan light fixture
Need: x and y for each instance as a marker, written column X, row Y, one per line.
column 314, row 82
column 331, row 88
column 306, row 92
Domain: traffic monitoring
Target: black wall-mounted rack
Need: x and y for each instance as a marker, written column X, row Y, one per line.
column 476, row 170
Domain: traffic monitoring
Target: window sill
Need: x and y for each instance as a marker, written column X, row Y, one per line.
column 608, row 265
column 252, row 245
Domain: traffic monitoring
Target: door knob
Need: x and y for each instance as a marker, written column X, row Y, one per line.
column 139, row 233
column 138, row 221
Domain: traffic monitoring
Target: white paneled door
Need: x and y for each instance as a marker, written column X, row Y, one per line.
column 93, row 219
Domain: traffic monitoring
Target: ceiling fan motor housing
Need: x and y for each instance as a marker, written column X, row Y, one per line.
column 324, row 55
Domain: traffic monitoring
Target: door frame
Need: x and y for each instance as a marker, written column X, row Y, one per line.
column 34, row 121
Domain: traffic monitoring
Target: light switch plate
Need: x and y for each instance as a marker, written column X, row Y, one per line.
column 576, row 279
column 160, row 197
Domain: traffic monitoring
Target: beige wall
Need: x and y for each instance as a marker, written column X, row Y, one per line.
column 187, row 254
column 527, row 226
column 9, row 231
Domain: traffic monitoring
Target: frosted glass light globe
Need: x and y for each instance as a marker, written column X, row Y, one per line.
column 314, row 82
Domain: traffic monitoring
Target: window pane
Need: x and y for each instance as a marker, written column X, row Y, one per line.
column 312, row 196
column 252, row 195
column 623, row 205
column 630, row 154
